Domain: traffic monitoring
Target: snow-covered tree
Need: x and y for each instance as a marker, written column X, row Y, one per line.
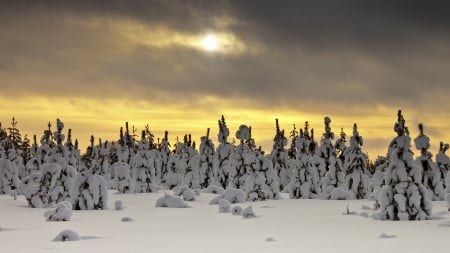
column 443, row 162
column 279, row 156
column 206, row 160
column 237, row 173
column 377, row 179
column 334, row 177
column 223, row 154
column 305, row 180
column 57, row 177
column 432, row 178
column 340, row 146
column 143, row 167
column 9, row 177
column 356, row 179
column 403, row 197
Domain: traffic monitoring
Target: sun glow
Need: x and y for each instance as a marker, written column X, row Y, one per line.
column 209, row 42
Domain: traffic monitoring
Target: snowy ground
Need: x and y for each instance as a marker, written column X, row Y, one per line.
column 281, row 226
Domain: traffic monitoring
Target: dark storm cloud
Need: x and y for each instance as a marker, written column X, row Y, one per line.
column 342, row 53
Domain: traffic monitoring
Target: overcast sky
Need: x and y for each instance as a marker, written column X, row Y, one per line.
column 357, row 61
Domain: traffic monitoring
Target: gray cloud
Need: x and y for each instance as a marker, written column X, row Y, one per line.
column 312, row 54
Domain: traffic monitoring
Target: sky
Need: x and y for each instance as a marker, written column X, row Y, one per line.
column 97, row 64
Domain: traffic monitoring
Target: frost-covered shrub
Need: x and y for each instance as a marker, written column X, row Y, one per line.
column 90, row 192
column 171, row 201
column 63, row 212
column 248, row 212
column 67, row 235
column 403, row 197
column 224, row 206
column 233, row 195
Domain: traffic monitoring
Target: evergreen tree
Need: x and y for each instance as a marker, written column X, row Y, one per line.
column 206, row 160
column 279, row 156
column 143, row 168
column 443, row 162
column 334, row 177
column 305, row 179
column 223, row 154
column 356, row 179
column 432, row 178
column 403, row 197
column 237, row 173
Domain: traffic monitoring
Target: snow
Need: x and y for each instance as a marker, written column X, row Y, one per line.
column 290, row 225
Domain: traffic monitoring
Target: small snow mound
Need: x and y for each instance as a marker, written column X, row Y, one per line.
column 270, row 239
column 171, row 202
column 365, row 214
column 386, row 236
column 214, row 189
column 233, row 195
column 364, row 207
column 126, row 219
column 248, row 212
column 183, row 190
column 118, row 205
column 342, row 194
column 67, row 235
column 224, row 206
column 237, row 210
column 61, row 213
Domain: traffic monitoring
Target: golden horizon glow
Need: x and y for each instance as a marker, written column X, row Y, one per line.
column 103, row 119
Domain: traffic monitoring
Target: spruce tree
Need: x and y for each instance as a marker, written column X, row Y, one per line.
column 404, row 197
column 432, row 178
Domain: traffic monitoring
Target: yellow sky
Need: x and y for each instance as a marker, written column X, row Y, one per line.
column 104, row 118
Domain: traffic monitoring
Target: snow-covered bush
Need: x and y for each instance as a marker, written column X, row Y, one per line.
column 237, row 210
column 122, row 171
column 63, row 212
column 67, row 235
column 171, row 201
column 279, row 157
column 403, row 197
column 90, row 192
column 183, row 190
column 224, row 206
column 233, row 195
column 248, row 212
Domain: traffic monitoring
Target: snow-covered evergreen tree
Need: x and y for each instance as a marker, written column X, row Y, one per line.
column 165, row 155
column 340, row 146
column 9, row 176
column 403, row 197
column 305, row 180
column 334, row 177
column 377, row 179
column 143, row 167
column 443, row 162
column 223, row 154
column 57, row 177
column 356, row 179
column 279, row 156
column 237, row 173
column 206, row 160
column 432, row 178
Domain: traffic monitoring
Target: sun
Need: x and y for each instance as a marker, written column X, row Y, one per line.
column 209, row 42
